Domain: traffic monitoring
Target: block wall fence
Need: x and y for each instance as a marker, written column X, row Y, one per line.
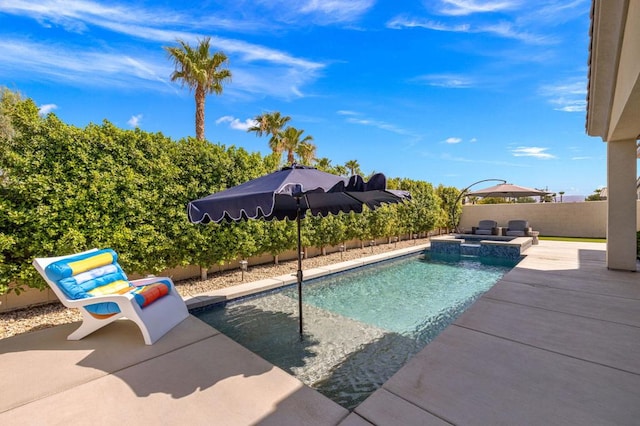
column 586, row 220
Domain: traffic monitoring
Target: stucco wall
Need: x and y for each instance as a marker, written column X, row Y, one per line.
column 587, row 220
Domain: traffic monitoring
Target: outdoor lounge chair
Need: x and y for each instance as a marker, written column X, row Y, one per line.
column 518, row 228
column 486, row 227
column 93, row 282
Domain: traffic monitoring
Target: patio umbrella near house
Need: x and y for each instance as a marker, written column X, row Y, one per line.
column 290, row 193
column 508, row 190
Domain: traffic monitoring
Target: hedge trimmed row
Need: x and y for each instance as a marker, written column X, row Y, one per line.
column 65, row 189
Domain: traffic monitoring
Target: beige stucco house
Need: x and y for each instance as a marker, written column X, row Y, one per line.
column 613, row 114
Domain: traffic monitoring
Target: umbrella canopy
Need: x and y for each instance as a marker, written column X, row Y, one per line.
column 508, row 190
column 289, row 194
column 276, row 196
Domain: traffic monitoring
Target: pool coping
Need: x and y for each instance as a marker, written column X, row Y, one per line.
column 230, row 293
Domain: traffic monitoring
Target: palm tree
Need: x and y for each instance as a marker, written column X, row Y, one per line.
column 561, row 194
column 290, row 140
column 341, row 170
column 596, row 196
column 323, row 164
column 353, row 166
column 271, row 124
column 306, row 152
column 200, row 72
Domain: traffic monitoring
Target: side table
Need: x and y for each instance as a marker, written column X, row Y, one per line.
column 534, row 236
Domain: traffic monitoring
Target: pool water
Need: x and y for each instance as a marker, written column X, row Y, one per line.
column 360, row 326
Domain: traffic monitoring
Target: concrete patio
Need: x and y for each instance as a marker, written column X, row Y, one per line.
column 554, row 342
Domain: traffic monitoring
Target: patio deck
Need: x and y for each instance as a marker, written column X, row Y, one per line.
column 554, row 342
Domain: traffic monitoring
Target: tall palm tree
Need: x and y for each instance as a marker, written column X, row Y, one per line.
column 353, row 166
column 323, row 164
column 341, row 170
column 306, row 152
column 291, row 139
column 200, row 72
column 271, row 124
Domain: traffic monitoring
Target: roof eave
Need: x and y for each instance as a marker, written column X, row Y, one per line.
column 606, row 34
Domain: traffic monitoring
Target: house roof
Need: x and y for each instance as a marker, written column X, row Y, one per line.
column 613, row 98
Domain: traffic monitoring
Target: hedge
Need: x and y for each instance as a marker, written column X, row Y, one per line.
column 65, row 189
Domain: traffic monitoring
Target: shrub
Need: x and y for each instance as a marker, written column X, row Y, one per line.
column 65, row 189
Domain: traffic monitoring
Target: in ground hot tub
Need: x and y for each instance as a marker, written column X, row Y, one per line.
column 480, row 245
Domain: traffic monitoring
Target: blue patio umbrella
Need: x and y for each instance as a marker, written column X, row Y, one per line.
column 290, row 193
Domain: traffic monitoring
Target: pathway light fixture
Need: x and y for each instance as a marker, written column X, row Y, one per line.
column 243, row 267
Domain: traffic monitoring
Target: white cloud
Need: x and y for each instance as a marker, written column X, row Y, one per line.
column 467, row 7
column 473, row 140
column 510, row 19
column 255, row 67
column 571, row 87
column 81, row 67
column 46, row 109
column 357, row 118
column 74, row 16
column 375, row 123
column 449, row 157
column 453, row 140
column 508, row 30
column 572, row 106
column 450, row 81
column 401, row 22
column 556, row 12
column 301, row 12
column 501, row 29
column 236, row 124
column 336, row 10
column 135, row 120
column 567, row 96
column 532, row 151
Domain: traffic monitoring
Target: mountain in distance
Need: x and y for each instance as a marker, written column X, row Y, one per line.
column 571, row 198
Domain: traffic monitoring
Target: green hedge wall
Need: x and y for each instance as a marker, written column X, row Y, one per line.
column 65, row 189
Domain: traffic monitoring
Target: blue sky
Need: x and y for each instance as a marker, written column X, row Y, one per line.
column 446, row 91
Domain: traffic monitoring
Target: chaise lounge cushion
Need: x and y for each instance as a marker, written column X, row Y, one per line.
column 518, row 228
column 485, row 227
column 98, row 274
column 78, row 264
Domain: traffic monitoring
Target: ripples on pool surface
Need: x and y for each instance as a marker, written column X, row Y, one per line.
column 360, row 326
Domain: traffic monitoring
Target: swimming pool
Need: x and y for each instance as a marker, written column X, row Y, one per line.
column 361, row 326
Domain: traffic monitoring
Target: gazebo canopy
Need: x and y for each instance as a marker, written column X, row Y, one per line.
column 508, row 190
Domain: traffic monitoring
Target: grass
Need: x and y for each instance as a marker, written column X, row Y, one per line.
column 574, row 239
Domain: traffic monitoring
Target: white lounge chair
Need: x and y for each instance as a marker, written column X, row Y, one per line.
column 93, row 282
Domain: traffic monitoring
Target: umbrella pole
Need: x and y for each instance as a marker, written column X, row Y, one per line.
column 299, row 274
